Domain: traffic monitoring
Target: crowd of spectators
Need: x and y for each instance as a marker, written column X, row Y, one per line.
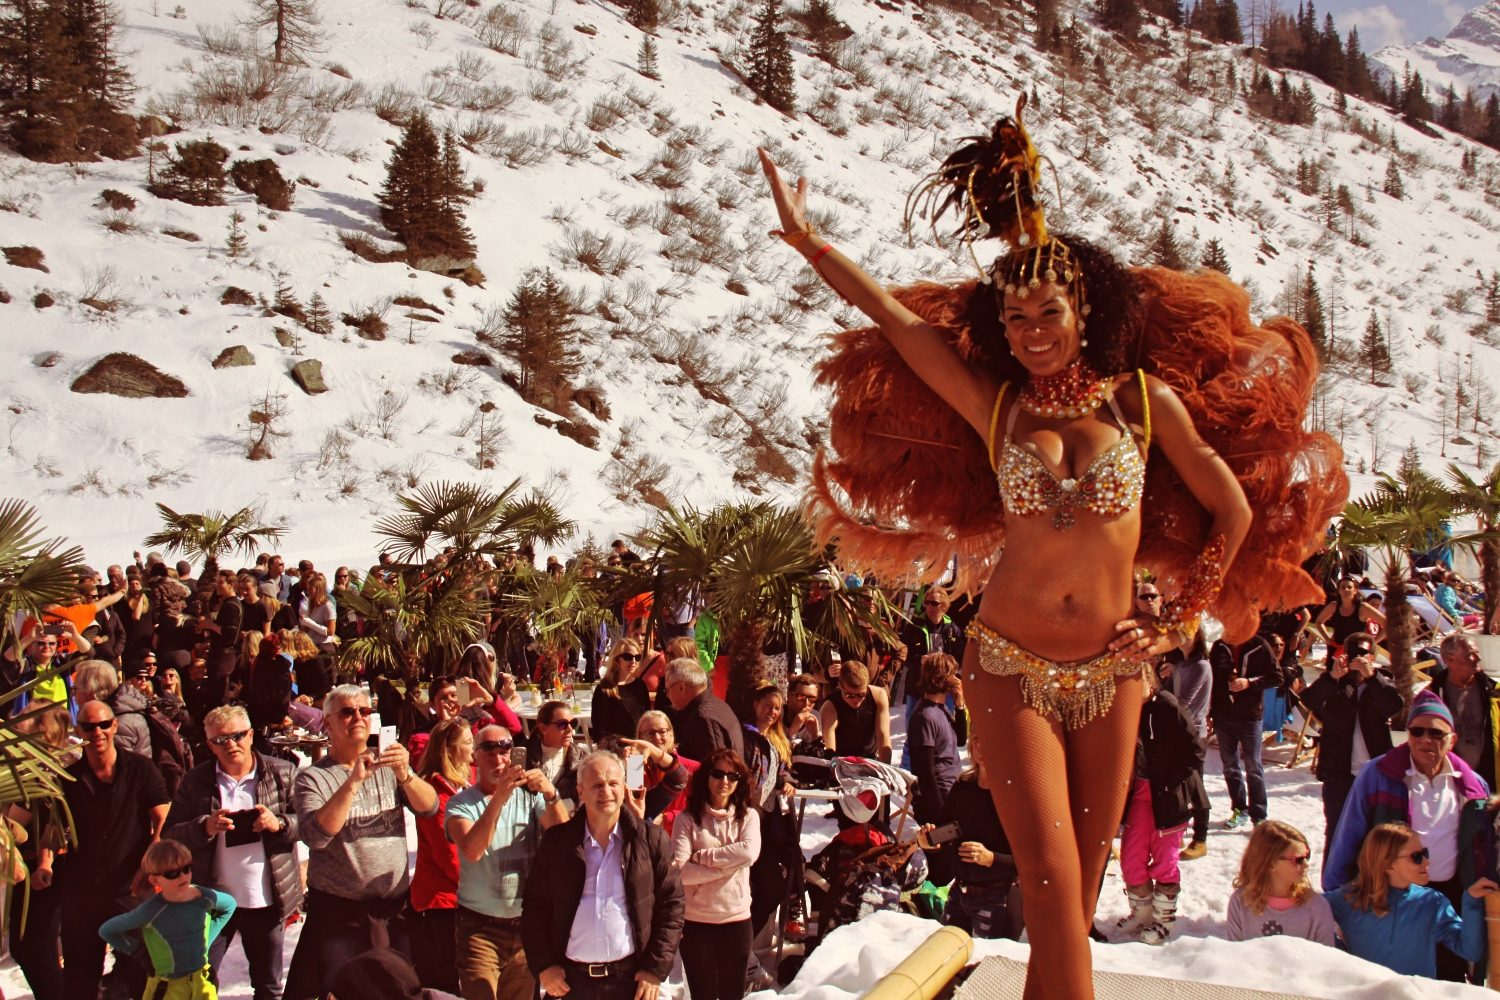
column 587, row 860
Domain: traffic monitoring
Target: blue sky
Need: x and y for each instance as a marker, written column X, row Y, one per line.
column 1391, row 22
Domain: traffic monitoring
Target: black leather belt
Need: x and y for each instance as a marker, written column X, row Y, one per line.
column 604, row 970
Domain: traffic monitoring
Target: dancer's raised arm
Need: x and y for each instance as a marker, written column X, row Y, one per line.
column 971, row 393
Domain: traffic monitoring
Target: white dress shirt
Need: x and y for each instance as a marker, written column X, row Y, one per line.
column 1436, row 807
column 601, row 929
column 241, row 871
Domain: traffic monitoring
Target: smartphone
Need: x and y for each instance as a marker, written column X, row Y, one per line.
column 635, row 771
column 244, row 828
column 518, row 757
column 945, row 834
column 372, row 741
column 387, row 737
column 470, row 691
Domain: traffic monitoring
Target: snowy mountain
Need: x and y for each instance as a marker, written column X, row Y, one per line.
column 1467, row 59
column 644, row 198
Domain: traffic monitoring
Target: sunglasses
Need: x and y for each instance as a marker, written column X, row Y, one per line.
column 174, row 873
column 496, row 746
column 932, row 604
column 348, row 712
column 1148, row 597
column 632, row 657
column 729, row 776
column 854, row 695
column 1430, row 732
column 561, row 723
column 90, row 727
column 1300, row 860
column 1417, row 857
column 224, row 739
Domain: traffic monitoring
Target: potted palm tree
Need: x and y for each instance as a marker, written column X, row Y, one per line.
column 1481, row 498
column 1402, row 515
column 754, row 565
column 213, row 534
column 444, row 539
column 34, row 572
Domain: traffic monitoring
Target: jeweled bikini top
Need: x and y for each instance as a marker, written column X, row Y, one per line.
column 1110, row 486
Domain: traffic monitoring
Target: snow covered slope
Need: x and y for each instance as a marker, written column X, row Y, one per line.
column 644, row 198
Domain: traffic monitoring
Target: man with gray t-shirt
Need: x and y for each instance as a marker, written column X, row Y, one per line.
column 349, row 810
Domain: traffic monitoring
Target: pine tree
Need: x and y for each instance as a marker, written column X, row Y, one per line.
column 643, row 14
column 645, row 59
column 1492, row 299
column 1393, row 185
column 1373, row 351
column 1313, row 319
column 61, row 85
column 771, row 60
column 540, row 337
column 319, row 316
column 1123, row 17
column 1491, row 135
column 294, row 27
column 195, row 175
column 1046, row 24
column 1228, row 28
column 1411, row 461
column 825, row 30
column 1166, row 250
column 238, row 244
column 422, row 201
column 1215, row 258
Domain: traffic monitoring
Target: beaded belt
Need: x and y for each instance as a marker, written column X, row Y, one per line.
column 1073, row 693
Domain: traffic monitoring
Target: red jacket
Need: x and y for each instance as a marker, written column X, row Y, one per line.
column 434, row 882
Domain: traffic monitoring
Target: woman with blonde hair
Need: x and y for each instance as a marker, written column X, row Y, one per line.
column 317, row 616
column 667, row 771
column 1389, row 916
column 447, row 766
column 1272, row 894
column 622, row 696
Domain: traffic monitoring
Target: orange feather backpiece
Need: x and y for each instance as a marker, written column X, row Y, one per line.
column 901, row 507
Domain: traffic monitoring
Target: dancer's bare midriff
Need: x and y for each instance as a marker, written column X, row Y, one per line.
column 1062, row 593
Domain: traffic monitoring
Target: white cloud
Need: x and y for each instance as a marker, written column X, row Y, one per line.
column 1378, row 26
column 1449, row 14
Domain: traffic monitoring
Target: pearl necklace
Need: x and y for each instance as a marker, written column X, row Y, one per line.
column 1076, row 391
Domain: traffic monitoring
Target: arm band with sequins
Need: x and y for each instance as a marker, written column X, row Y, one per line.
column 1183, row 611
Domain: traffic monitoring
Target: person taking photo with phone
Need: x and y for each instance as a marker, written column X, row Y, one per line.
column 234, row 814
column 349, row 814
column 496, row 826
column 1356, row 702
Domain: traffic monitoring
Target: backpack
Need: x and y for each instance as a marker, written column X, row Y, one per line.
column 169, row 751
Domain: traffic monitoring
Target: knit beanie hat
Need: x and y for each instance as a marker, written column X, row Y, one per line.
column 1428, row 703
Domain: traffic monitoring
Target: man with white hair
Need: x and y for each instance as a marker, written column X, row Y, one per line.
column 1471, row 696
column 349, row 814
column 704, row 723
column 234, row 813
column 603, row 907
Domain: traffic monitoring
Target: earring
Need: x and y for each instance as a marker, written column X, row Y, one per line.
column 1083, row 343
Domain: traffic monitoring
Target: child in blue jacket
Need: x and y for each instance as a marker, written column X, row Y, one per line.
column 176, row 925
column 1388, row 915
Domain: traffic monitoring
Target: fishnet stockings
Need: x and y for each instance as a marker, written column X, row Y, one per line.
column 1060, row 795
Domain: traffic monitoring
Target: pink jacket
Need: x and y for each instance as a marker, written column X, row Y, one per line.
column 714, row 859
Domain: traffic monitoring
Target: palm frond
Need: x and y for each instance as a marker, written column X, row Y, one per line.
column 214, row 533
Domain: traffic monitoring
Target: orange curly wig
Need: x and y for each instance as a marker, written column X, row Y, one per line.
column 909, row 483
